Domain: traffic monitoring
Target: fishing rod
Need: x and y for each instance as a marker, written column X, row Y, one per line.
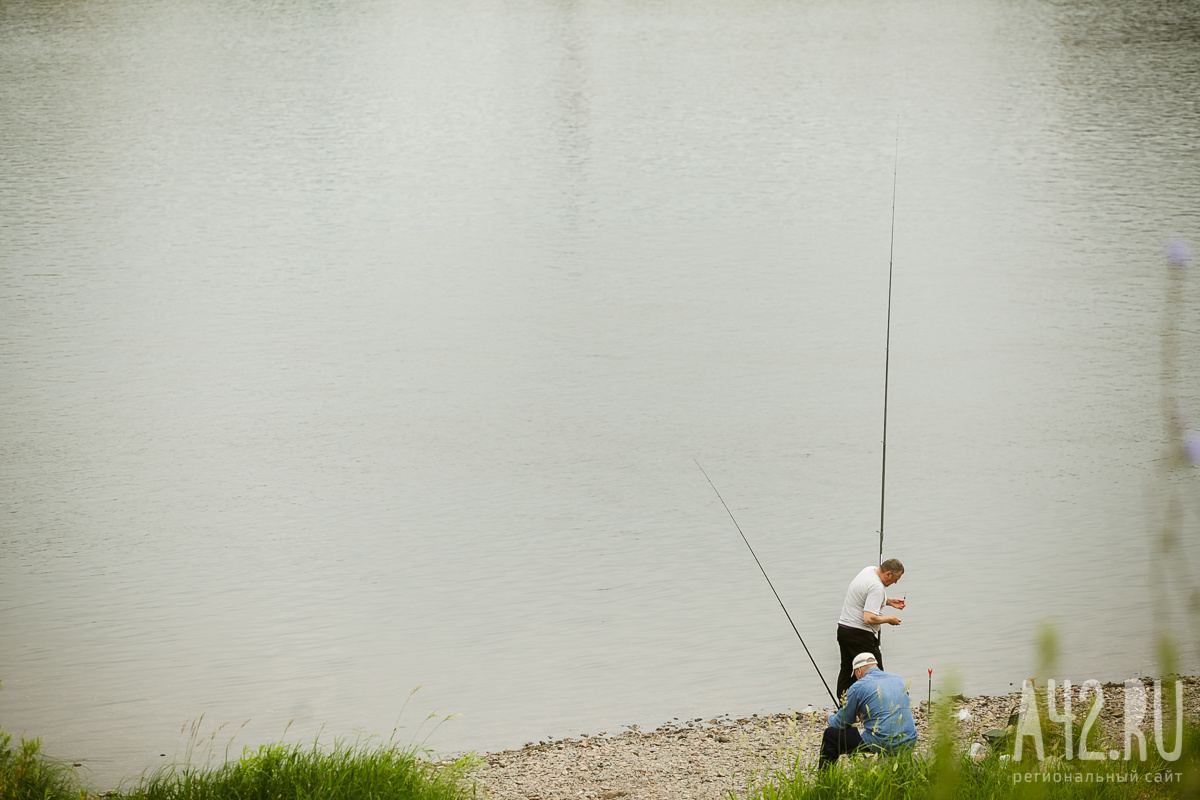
column 764, row 572
column 888, row 343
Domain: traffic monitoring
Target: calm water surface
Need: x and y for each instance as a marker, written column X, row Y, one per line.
column 350, row 347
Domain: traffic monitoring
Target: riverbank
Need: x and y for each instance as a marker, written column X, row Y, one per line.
column 705, row 759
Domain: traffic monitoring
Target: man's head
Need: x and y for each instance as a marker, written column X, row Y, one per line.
column 862, row 663
column 891, row 571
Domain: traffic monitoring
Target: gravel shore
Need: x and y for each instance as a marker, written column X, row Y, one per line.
column 705, row 759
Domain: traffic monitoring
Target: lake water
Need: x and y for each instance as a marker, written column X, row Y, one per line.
column 356, row 346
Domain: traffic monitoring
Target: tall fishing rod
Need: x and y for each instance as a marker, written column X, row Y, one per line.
column 764, row 572
column 888, row 343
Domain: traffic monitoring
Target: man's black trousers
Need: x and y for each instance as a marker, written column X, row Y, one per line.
column 852, row 641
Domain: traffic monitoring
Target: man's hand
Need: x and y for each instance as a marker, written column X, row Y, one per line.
column 896, row 604
column 875, row 619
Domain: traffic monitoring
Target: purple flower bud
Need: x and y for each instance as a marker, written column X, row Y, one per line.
column 1191, row 446
column 1178, row 253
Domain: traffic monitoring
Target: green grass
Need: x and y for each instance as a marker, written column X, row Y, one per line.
column 313, row 772
column 27, row 774
column 379, row 771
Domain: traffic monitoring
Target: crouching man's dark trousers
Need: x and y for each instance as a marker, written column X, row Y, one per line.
column 838, row 742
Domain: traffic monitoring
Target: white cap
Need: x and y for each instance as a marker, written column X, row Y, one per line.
column 862, row 659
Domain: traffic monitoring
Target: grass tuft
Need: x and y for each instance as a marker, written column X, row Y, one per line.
column 299, row 772
column 27, row 774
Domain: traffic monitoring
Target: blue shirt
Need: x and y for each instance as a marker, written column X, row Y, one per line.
column 881, row 700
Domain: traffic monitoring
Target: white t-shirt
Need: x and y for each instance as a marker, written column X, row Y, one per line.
column 866, row 593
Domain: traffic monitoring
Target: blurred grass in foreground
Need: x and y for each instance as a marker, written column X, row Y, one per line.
column 943, row 770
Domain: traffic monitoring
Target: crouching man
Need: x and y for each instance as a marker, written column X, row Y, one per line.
column 881, row 701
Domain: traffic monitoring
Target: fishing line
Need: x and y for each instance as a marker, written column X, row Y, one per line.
column 764, row 572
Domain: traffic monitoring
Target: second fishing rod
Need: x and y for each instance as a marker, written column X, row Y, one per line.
column 883, row 469
column 887, row 345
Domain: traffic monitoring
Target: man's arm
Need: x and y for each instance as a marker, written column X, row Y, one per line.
column 875, row 619
column 847, row 714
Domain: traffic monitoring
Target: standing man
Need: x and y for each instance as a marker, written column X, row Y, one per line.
column 880, row 700
column 858, row 627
